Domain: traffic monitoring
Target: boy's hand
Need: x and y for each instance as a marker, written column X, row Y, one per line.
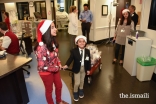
column 65, row 67
column 88, row 72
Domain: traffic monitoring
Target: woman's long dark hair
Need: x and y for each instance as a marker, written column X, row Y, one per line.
column 49, row 40
column 128, row 19
column 6, row 13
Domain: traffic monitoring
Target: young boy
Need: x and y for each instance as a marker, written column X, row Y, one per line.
column 81, row 65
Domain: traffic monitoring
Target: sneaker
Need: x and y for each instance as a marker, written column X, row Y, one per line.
column 76, row 97
column 81, row 94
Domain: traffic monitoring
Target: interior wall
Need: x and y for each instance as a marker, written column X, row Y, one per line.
column 10, row 6
column 31, row 11
column 102, row 22
column 146, row 4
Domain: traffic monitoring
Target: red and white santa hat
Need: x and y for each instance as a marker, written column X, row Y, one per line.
column 125, row 10
column 80, row 36
column 41, row 29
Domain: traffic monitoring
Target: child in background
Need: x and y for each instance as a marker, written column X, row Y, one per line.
column 81, row 65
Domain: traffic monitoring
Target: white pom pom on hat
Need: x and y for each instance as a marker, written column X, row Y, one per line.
column 80, row 36
column 41, row 29
column 125, row 10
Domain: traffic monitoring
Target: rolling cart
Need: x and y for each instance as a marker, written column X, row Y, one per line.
column 97, row 65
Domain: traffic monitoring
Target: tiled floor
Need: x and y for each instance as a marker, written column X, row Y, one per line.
column 108, row 84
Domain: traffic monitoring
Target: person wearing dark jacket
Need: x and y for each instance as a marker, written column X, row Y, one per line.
column 134, row 16
column 81, row 65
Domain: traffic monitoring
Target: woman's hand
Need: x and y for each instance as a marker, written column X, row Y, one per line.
column 88, row 72
column 60, row 66
column 114, row 39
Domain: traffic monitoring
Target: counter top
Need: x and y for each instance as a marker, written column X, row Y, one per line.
column 7, row 68
column 139, row 38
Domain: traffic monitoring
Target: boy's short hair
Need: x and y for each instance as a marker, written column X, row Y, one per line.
column 3, row 26
column 86, row 5
column 133, row 7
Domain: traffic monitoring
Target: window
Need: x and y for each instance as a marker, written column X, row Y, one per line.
column 60, row 5
column 40, row 6
column 152, row 16
column 23, row 10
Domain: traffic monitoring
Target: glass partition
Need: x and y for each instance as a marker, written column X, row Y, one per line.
column 40, row 7
column 22, row 10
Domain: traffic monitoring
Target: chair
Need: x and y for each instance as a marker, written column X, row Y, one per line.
column 23, row 51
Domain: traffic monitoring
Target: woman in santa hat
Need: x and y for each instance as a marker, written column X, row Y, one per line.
column 124, row 28
column 49, row 64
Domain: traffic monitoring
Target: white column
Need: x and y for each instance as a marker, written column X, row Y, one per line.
column 48, row 8
column 31, row 11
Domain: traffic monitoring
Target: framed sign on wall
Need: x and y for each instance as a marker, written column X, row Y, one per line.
column 104, row 10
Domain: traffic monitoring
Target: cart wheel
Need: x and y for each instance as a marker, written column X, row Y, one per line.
column 100, row 67
column 89, row 80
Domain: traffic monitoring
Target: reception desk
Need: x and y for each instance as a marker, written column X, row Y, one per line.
column 12, row 83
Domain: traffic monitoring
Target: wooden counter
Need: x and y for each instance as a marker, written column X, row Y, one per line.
column 12, row 83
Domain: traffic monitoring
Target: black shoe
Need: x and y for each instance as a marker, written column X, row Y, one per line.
column 113, row 62
column 81, row 94
column 76, row 96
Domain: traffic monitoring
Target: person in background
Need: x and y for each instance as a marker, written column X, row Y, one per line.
column 123, row 29
column 134, row 16
column 7, row 21
column 86, row 18
column 73, row 25
column 81, row 66
column 10, row 42
column 46, row 51
column 25, row 15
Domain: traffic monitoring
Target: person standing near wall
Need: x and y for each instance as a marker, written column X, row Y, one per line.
column 123, row 29
column 73, row 25
column 7, row 21
column 86, row 18
column 134, row 16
